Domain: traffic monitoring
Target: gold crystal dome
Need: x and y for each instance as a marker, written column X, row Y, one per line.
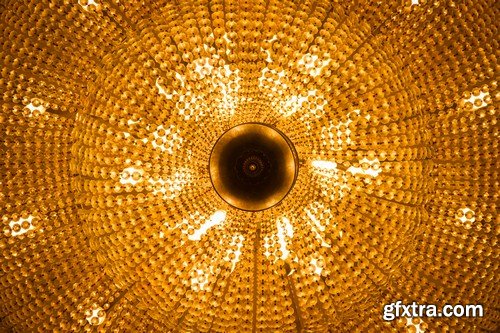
column 110, row 110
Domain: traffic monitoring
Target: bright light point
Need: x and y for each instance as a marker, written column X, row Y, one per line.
column 95, row 316
column 203, row 67
column 237, row 240
column 216, row 219
column 131, row 175
column 368, row 168
column 333, row 182
column 228, row 41
column 169, row 95
column 285, row 230
column 21, row 226
column 478, row 101
column 35, row 105
column 325, row 165
column 87, row 3
column 162, row 91
column 199, row 281
column 181, row 78
column 313, row 218
column 325, row 168
column 288, row 227
column 418, row 328
column 415, row 2
column 465, row 215
column 317, row 268
column 131, row 122
column 268, row 53
column 226, row 38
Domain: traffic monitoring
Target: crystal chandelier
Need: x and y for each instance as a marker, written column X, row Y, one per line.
column 247, row 165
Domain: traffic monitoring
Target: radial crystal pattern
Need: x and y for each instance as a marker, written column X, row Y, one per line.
column 110, row 111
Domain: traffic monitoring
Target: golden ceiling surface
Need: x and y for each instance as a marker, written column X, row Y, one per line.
column 110, row 110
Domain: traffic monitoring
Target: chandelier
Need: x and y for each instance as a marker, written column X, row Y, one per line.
column 247, row 165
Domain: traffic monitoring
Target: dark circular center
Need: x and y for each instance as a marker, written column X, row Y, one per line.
column 253, row 166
